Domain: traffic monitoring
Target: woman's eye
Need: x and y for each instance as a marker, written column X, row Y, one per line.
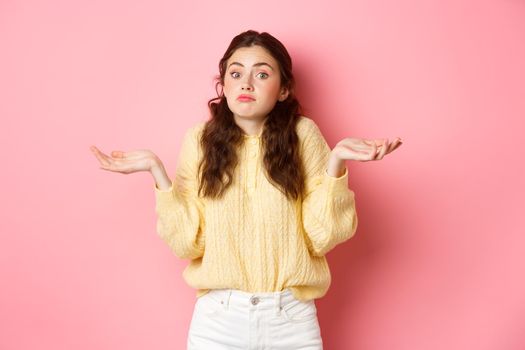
column 237, row 74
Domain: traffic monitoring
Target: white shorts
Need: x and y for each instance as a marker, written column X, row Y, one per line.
column 225, row 319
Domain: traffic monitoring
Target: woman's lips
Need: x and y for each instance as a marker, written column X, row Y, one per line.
column 245, row 98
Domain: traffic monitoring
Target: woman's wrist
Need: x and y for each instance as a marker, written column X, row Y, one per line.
column 162, row 181
column 336, row 166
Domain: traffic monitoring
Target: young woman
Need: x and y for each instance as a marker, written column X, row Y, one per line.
column 257, row 201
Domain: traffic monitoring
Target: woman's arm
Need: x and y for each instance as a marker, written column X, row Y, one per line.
column 329, row 216
column 179, row 210
column 329, row 213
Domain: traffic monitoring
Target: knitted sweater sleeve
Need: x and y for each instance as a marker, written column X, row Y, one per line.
column 329, row 215
column 179, row 210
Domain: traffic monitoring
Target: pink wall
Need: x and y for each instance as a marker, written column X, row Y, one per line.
column 437, row 262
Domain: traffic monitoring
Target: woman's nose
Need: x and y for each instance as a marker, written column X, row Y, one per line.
column 247, row 86
column 247, row 83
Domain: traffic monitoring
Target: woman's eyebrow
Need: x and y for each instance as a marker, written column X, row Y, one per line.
column 255, row 65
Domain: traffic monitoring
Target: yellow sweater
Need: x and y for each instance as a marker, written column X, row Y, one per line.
column 253, row 238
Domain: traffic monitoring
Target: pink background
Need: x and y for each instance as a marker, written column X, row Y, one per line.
column 438, row 259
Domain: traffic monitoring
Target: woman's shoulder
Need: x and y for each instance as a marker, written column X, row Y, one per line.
column 191, row 138
column 195, row 130
column 198, row 126
column 306, row 126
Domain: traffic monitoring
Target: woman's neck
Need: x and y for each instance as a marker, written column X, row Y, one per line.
column 251, row 126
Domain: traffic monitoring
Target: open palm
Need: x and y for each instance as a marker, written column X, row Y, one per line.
column 126, row 162
column 365, row 150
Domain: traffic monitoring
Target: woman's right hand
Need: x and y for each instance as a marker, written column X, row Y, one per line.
column 127, row 162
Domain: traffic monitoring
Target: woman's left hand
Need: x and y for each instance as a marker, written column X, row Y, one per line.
column 364, row 150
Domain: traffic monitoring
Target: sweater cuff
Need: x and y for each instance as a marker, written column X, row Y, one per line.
column 336, row 184
column 163, row 196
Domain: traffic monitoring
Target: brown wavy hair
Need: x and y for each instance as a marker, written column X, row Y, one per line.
column 221, row 136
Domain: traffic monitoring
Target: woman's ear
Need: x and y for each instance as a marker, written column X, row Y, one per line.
column 284, row 94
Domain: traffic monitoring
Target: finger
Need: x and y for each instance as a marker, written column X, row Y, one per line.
column 118, row 154
column 109, row 163
column 385, row 148
column 376, row 142
column 373, row 151
column 128, row 155
column 102, row 158
column 116, row 165
column 380, row 146
column 395, row 145
column 381, row 150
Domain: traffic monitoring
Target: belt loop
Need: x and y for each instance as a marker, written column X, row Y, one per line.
column 277, row 303
column 227, row 301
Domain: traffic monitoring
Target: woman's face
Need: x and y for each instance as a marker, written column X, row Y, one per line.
column 254, row 72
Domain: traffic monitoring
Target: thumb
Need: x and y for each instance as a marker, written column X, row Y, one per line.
column 118, row 154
